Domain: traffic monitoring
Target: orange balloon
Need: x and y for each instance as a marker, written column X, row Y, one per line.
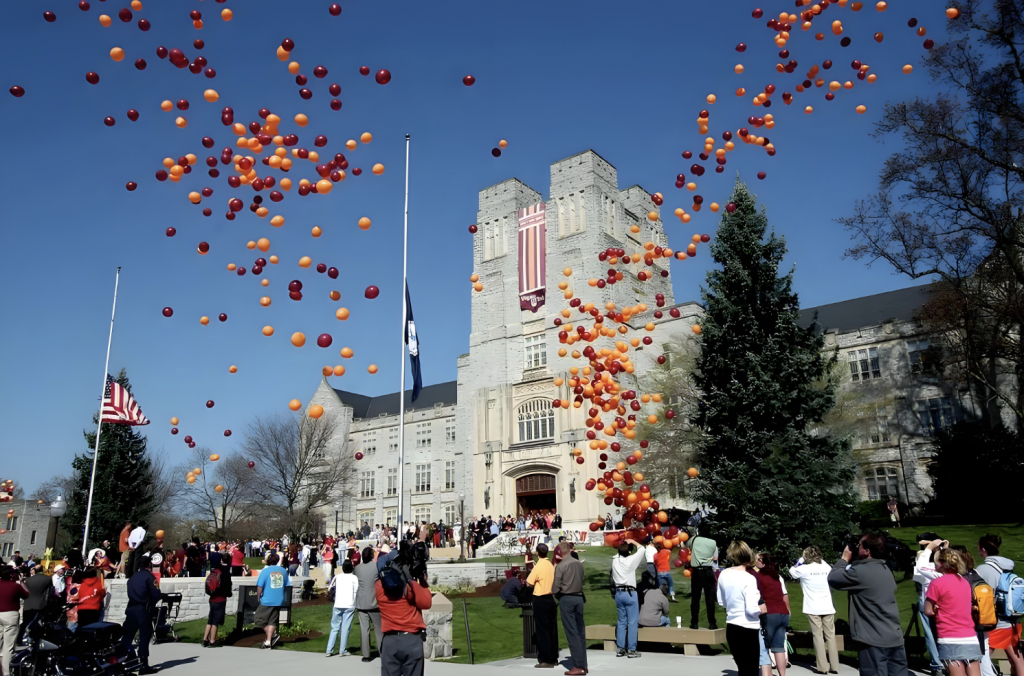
column 218, row 488
column 316, row 231
column 276, row 221
column 378, row 169
column 952, row 13
column 301, row 120
column 908, row 69
column 862, row 109
column 372, row 368
column 197, row 471
column 232, row 369
column 346, row 352
column 342, row 313
column 105, row 21
column 503, row 143
column 351, row 144
column 226, row 14
column 295, row 404
column 316, row 410
column 711, row 98
column 117, row 54
column 298, row 339
column 696, row 328
column 339, row 370
column 293, row 67
column 211, row 95
column 366, row 137
column 273, row 260
column 323, row 186
column 335, row 295
column 268, row 331
column 263, row 244
column 364, row 223
column 684, row 536
column 881, row 6
column 204, row 320
column 190, row 479
column 181, row 122
column 174, row 420
column 327, row 370
column 305, row 262
column 214, row 458
column 692, row 472
column 687, row 572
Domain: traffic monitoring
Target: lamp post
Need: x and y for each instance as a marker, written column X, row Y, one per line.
column 462, row 527
column 58, row 508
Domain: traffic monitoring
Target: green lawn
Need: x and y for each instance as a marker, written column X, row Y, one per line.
column 497, row 632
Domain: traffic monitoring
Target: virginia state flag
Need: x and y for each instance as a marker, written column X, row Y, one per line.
column 414, row 347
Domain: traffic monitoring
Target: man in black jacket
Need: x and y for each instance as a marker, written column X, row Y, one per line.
column 143, row 595
column 874, row 613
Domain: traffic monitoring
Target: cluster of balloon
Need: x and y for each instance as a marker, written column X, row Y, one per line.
column 7, row 490
column 502, row 144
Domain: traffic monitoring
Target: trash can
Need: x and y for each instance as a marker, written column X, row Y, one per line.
column 529, row 631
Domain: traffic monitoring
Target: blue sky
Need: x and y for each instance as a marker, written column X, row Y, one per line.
column 553, row 78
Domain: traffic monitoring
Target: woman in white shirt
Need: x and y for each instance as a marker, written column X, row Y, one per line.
column 345, row 585
column 818, row 607
column 737, row 593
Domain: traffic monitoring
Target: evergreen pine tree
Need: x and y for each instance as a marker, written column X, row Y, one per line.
column 769, row 475
column 126, row 485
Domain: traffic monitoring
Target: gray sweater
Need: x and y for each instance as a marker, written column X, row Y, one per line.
column 654, row 608
column 366, row 595
column 874, row 613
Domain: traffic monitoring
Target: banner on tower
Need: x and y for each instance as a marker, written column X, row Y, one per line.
column 532, row 255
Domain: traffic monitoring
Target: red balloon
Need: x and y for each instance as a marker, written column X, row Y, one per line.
column 209, row 404
column 251, row 464
column 125, row 14
column 144, row 25
column 188, row 439
column 227, row 433
column 198, row 44
column 730, row 207
column 84, row 6
column 204, row 247
column 49, row 16
column 174, row 430
column 371, row 292
column 324, row 340
column 335, row 10
column 171, row 232
column 469, row 80
column 364, row 70
column 383, row 76
column 757, row 13
column 192, row 444
column 168, row 311
column 334, row 89
column 195, row 15
column 472, row 229
column 223, row 317
column 92, row 78
column 496, row 152
column 109, row 121
column 359, row 456
column 131, row 185
column 320, row 72
column 17, row 92
column 133, row 114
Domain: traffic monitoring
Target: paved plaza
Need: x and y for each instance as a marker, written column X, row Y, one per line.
column 184, row 659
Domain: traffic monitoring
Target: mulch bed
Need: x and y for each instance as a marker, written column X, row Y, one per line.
column 490, row 590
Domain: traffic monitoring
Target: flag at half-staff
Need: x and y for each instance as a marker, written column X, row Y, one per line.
column 119, row 406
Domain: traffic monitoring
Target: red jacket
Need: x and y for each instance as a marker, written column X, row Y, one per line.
column 405, row 613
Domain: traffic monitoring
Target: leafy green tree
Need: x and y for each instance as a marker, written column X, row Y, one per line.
column 128, row 487
column 771, row 472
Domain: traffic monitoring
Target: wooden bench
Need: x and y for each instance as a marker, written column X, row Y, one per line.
column 803, row 639
column 689, row 638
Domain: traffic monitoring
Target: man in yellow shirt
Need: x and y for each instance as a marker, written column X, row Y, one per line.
column 544, row 609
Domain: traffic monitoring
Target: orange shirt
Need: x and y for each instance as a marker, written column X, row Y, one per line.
column 661, row 561
column 123, row 541
column 91, row 593
column 406, row 613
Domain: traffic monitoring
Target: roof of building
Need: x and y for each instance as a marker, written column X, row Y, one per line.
column 849, row 315
column 444, row 394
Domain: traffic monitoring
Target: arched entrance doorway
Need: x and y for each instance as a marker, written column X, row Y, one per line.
column 535, row 492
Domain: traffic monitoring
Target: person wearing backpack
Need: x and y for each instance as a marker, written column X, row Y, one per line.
column 950, row 600
column 401, row 602
column 218, row 588
column 1007, row 634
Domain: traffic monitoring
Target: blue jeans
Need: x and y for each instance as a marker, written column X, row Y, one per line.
column 664, row 622
column 666, row 578
column 628, row 607
column 929, row 638
column 305, row 567
column 341, row 621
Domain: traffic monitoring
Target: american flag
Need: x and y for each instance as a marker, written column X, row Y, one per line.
column 119, row 406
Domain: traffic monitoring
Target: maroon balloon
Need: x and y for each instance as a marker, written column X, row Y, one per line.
column 207, row 212
column 741, row 47
column 182, row 104
column 204, row 247
column 144, row 25
column 321, row 268
column 140, row 64
column 324, row 340
column 227, row 433
column 188, row 439
column 84, row 6
column 193, row 445
column 161, row 52
column 92, row 78
column 209, row 404
column 335, row 104
column 195, row 15
column 383, row 76
column 332, row 273
column 125, row 14
column 288, row 44
column 210, row 73
column 17, row 92
column 473, row 229
column 320, row 72
column 223, row 317
column 469, row 80
column 371, row 292
column 301, row 79
column 334, row 89
column 109, row 121
column 251, row 464
column 757, row 13
column 295, row 295
column 198, row 44
column 335, row 9
column 49, row 16
column 161, row 175
column 174, row 430
column 730, row 207
column 168, row 311
column 912, row 23
column 305, row 93
column 295, row 285
column 687, row 154
column 131, row 185
column 236, row 204
column 320, row 141
column 496, row 152
column 705, row 238
column 171, row 232
column 364, row 70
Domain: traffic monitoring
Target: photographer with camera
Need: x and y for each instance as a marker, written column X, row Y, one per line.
column 402, row 596
column 874, row 612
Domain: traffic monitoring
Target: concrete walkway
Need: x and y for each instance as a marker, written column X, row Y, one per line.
column 188, row 659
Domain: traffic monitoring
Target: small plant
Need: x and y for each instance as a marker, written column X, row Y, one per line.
column 460, row 588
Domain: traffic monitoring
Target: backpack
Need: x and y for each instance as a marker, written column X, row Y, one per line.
column 1009, row 596
column 213, row 582
column 983, row 602
column 391, row 580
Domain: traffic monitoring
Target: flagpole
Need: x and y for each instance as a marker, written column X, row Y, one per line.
column 405, row 319
column 99, row 425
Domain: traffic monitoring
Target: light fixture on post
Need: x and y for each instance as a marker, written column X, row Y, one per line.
column 58, row 508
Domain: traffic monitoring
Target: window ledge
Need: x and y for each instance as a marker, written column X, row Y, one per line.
column 536, row 443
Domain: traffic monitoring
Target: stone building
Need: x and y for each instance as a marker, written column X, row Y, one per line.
column 493, row 435
column 27, row 530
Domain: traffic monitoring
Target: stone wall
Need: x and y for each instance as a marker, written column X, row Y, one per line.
column 32, row 528
column 195, row 604
column 439, row 628
column 476, row 574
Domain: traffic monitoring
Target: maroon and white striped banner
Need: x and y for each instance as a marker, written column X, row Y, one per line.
column 532, row 255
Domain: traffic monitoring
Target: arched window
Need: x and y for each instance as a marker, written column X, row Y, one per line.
column 536, row 420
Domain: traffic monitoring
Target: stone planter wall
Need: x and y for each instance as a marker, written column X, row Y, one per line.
column 439, row 628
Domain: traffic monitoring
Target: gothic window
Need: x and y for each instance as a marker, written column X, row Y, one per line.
column 562, row 231
column 572, row 214
column 488, row 241
column 935, row 414
column 864, row 365
column 500, row 239
column 581, row 225
column 536, row 420
column 882, row 483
